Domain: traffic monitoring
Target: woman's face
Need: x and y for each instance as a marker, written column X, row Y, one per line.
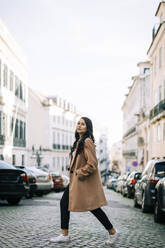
column 81, row 127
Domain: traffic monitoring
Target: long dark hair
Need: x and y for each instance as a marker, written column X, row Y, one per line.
column 87, row 134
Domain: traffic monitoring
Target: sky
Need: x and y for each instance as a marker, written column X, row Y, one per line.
column 85, row 51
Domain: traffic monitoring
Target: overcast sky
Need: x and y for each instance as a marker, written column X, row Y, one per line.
column 83, row 50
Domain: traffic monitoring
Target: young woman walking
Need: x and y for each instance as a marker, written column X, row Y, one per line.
column 85, row 191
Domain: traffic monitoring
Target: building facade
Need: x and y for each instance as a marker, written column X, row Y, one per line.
column 136, row 120
column 13, row 99
column 103, row 157
column 51, row 128
column 156, row 52
column 116, row 165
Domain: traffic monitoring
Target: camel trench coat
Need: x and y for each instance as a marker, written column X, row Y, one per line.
column 85, row 188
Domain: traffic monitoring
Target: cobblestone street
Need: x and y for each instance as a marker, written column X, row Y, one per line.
column 34, row 221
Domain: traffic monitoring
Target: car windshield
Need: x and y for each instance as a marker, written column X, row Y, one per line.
column 160, row 169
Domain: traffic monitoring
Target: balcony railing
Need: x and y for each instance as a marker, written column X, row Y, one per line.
column 2, row 139
column 19, row 142
column 129, row 153
column 63, row 147
column 159, row 108
column 130, row 131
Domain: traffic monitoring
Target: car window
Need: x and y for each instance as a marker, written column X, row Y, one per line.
column 137, row 176
column 160, row 169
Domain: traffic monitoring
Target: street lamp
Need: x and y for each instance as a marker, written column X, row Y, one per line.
column 37, row 154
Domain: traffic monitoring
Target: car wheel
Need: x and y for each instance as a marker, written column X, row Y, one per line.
column 13, row 201
column 158, row 215
column 145, row 208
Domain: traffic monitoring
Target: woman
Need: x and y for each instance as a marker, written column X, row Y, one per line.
column 85, row 191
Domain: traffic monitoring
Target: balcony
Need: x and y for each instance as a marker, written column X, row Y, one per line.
column 129, row 153
column 2, row 139
column 130, row 131
column 19, row 142
column 158, row 109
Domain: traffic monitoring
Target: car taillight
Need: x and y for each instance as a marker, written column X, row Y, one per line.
column 154, row 180
column 34, row 180
column 24, row 177
column 133, row 181
column 50, row 177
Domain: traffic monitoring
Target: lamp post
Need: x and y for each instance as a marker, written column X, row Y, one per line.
column 37, row 154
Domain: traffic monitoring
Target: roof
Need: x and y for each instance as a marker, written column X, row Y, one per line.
column 159, row 7
column 155, row 36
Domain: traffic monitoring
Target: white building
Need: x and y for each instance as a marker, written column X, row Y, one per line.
column 116, row 165
column 13, row 99
column 103, row 157
column 51, row 126
column 136, row 120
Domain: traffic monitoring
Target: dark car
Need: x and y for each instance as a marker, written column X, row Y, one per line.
column 31, row 181
column 13, row 183
column 129, row 186
column 159, row 206
column 58, row 184
column 145, row 192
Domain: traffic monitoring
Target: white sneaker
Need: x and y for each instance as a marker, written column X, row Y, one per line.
column 60, row 239
column 112, row 238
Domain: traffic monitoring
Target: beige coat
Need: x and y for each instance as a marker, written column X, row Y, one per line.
column 85, row 188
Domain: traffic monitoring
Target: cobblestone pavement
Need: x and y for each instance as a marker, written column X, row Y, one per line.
column 34, row 221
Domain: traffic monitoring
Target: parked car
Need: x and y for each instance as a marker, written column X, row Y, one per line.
column 31, row 181
column 111, row 183
column 58, row 181
column 145, row 192
column 159, row 206
column 43, row 181
column 129, row 185
column 13, row 183
column 124, row 184
column 65, row 180
column 119, row 183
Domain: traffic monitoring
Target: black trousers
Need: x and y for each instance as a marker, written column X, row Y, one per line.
column 65, row 214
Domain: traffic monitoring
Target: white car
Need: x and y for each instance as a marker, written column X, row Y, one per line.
column 44, row 181
column 65, row 180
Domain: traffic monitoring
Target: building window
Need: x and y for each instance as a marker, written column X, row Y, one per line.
column 164, row 131
column 11, row 80
column 11, row 124
column 158, row 133
column 5, row 74
column 13, row 159
column 21, row 130
column 23, row 159
column 16, row 86
column 160, row 57
column 16, row 129
column 1, row 157
column 21, row 91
